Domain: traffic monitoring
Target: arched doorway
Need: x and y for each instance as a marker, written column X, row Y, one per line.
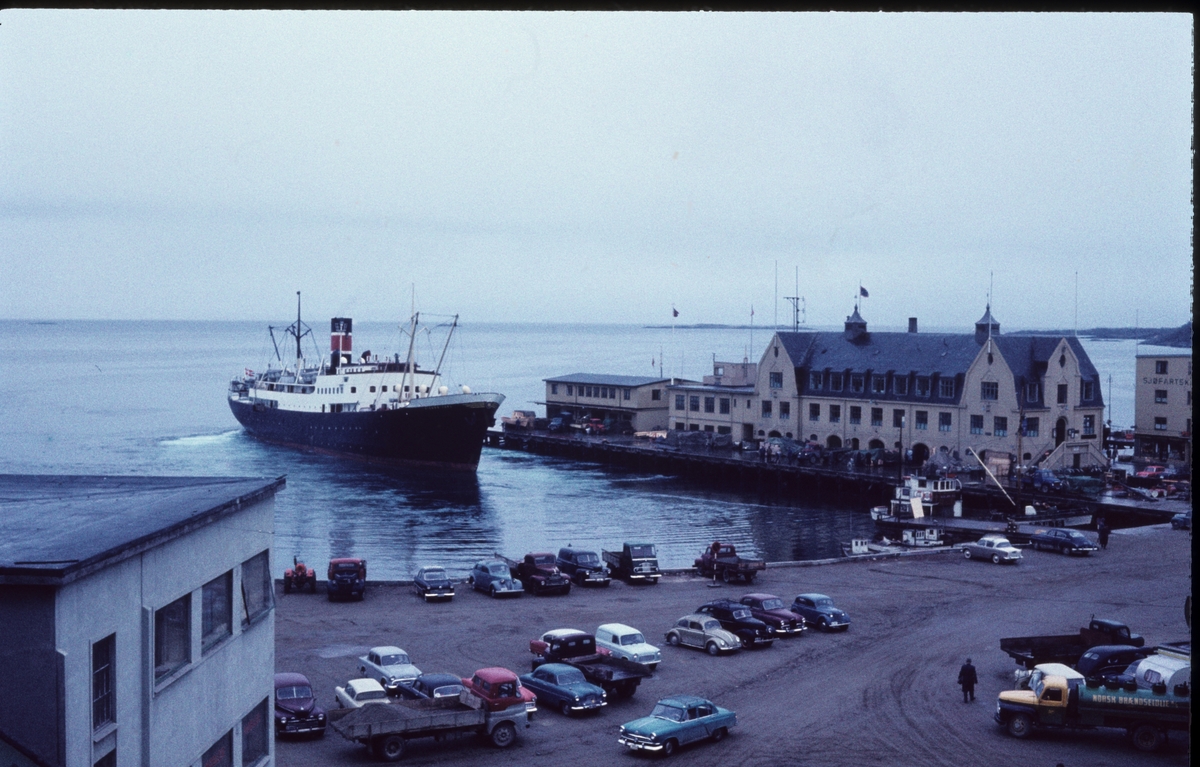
column 875, row 444
column 833, row 441
column 773, row 433
column 1060, row 432
column 854, row 443
column 920, row 453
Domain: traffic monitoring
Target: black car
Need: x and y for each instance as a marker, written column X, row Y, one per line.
column 296, row 710
column 1182, row 520
column 1104, row 661
column 582, row 566
column 736, row 618
column 431, row 686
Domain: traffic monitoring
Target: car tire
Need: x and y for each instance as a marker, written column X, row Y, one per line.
column 492, row 592
column 995, row 559
column 719, row 734
column 966, row 553
column 712, row 648
column 669, row 747
column 564, row 708
column 390, row 748
column 746, row 643
column 1147, row 737
column 1020, row 725
column 673, row 640
column 504, row 735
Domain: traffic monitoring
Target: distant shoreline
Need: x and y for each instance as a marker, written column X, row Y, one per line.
column 1177, row 337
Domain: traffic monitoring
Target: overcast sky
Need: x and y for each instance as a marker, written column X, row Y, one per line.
column 597, row 167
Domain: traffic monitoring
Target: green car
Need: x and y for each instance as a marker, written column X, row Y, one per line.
column 675, row 722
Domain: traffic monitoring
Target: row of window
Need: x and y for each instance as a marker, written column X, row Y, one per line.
column 1160, row 397
column 945, row 420
column 255, row 743
column 602, row 392
column 681, row 426
column 692, row 403
column 819, row 380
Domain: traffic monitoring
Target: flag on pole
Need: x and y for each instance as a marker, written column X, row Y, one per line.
column 863, row 292
column 674, row 312
column 249, row 373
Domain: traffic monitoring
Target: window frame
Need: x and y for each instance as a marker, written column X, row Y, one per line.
column 104, row 691
column 263, row 602
column 999, row 426
column 976, row 424
column 945, row 421
column 172, row 635
column 989, row 391
column 211, row 631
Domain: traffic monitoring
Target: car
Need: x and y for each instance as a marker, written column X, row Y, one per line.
column 1063, row 540
column 1182, row 520
column 1105, row 661
column 296, row 709
column 705, row 632
column 1043, row 480
column 769, row 609
column 677, row 721
column 433, row 583
column 556, row 425
column 582, row 566
column 736, row 617
column 818, row 610
column 431, row 686
column 500, row 689
column 564, row 689
column 495, row 579
column 993, row 547
column 1152, row 471
column 390, row 665
column 626, row 642
column 360, row 692
column 347, row 577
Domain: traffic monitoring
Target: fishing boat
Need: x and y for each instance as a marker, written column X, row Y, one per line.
column 386, row 411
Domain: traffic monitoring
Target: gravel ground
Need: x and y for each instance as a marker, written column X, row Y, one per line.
column 883, row 692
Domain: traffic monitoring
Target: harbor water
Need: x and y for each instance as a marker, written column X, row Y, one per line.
column 148, row 398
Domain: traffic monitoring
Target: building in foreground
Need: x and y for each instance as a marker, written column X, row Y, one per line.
column 722, row 403
column 137, row 619
column 1163, row 407
column 638, row 401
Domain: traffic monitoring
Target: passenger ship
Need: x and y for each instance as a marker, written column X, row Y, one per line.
column 382, row 411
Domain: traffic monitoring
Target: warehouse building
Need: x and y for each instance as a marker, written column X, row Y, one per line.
column 1163, row 407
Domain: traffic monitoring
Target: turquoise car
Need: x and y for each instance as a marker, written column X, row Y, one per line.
column 675, row 722
column 563, row 687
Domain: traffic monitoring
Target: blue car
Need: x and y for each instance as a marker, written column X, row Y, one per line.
column 495, row 579
column 818, row 610
column 563, row 687
column 675, row 722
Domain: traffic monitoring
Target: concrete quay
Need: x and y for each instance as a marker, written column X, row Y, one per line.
column 882, row 692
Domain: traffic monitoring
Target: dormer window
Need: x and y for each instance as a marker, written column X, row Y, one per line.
column 878, row 384
column 1033, row 392
column 900, row 385
column 856, row 383
column 946, row 388
column 835, row 381
column 1089, row 391
column 922, row 386
column 814, row 380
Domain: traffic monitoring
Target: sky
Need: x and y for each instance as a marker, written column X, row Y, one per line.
column 597, row 167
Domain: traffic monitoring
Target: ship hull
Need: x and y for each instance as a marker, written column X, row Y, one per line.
column 445, row 431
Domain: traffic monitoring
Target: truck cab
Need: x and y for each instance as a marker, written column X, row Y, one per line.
column 1053, row 687
column 500, row 689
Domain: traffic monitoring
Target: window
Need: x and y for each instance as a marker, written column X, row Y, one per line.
column 710, row 404
column 694, row 403
column 785, row 410
column 766, row 408
column 900, row 385
column 878, row 384
column 814, row 412
column 922, row 386
column 656, row 395
column 627, row 393
column 1032, row 392
column 256, row 587
column 1160, row 396
column 814, row 380
column 221, row 753
column 776, row 380
column 172, row 637
column 570, row 390
column 1032, row 425
column 1160, row 424
column 898, row 418
column 679, row 399
column 922, row 417
column 585, row 391
column 835, row 381
column 989, row 390
column 1089, row 426
column 724, row 430
column 946, row 388
column 855, row 414
column 679, row 426
column 1160, row 367
column 255, row 734
column 877, row 416
column 216, row 621
column 977, row 424
column 856, row 383
column 1089, row 391
column 835, row 413
column 108, row 760
column 694, row 427
column 554, row 388
column 944, row 422
column 104, row 703
column 723, row 405
column 708, row 427
column 1000, row 426
column 1062, row 394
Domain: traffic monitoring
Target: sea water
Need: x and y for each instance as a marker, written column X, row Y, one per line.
column 149, row 398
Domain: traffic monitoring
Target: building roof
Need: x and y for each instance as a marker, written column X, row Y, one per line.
column 56, row 528
column 603, row 379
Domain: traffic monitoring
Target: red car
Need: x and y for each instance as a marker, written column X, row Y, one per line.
column 1152, row 471
column 770, row 609
column 296, row 709
column 500, row 689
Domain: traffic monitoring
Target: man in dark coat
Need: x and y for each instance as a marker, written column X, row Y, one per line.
column 967, row 678
column 1102, row 532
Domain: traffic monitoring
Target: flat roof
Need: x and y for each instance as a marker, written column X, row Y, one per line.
column 605, row 379
column 56, row 528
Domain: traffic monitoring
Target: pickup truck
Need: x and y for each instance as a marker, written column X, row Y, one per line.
column 1068, row 648
column 582, row 567
column 538, row 574
column 1058, row 697
column 347, row 578
column 721, row 559
column 635, row 563
column 619, row 677
column 492, row 705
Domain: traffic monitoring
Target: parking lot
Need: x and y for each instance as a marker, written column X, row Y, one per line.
column 882, row 692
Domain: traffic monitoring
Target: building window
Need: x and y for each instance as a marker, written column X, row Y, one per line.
column 814, row 412
column 1160, row 396
column 766, row 408
column 835, row 381
column 1032, row 425
column 946, row 388
column 776, row 380
column 785, row 410
column 723, row 405
column 878, row 384
column 104, row 701
column 1160, row 424
column 694, row 427
column 900, row 385
column 724, row 430
column 628, row 393
column 1089, row 391
column 679, row 426
column 897, row 418
column 256, row 587
column 255, row 736
column 835, row 413
column 554, row 388
column 922, row 386
column 1032, row 392
column 1160, row 367
column 922, row 417
column 856, row 383
column 944, row 422
column 814, row 380
column 1062, row 394
column 989, row 390
column 877, row 416
column 708, row 427
column 679, row 400
column 216, row 621
column 710, row 404
column 1000, row 426
column 977, row 424
column 855, row 414
column 1089, row 426
column 108, row 760
column 172, row 637
column 694, row 403
column 570, row 390
column 656, row 395
column 221, row 753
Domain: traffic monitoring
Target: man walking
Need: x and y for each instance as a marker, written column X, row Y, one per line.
column 1102, row 532
column 967, row 678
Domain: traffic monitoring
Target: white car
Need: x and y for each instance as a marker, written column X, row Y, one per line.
column 360, row 692
column 627, row 642
column 390, row 665
column 993, row 547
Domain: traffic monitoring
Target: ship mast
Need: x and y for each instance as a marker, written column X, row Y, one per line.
column 438, row 370
column 408, row 366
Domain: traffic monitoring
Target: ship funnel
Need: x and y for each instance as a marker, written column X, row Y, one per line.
column 340, row 340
